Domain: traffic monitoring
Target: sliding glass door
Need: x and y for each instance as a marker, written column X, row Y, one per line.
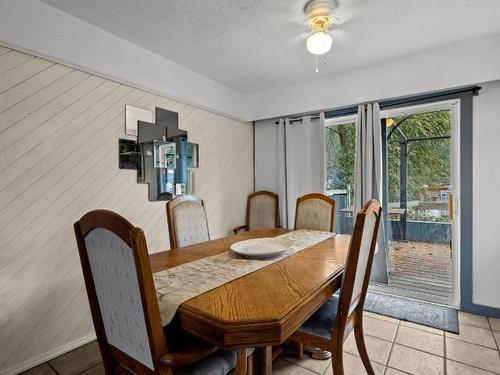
column 421, row 194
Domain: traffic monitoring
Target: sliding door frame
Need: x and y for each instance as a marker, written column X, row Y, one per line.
column 451, row 107
column 465, row 96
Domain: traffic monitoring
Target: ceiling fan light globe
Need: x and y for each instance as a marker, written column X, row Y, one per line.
column 319, row 43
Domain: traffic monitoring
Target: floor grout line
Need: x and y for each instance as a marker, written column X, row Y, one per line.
column 472, row 343
column 472, row 366
column 392, row 346
column 444, row 351
column 494, row 337
column 493, row 333
column 401, row 371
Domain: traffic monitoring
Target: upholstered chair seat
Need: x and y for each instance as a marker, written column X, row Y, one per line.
column 221, row 362
column 262, row 211
column 321, row 322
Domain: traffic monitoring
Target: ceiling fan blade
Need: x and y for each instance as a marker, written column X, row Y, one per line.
column 336, row 20
column 297, row 39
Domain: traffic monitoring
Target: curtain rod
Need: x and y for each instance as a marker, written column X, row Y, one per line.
column 292, row 120
column 393, row 103
column 402, row 101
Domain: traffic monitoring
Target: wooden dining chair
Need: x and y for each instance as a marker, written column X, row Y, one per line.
column 262, row 211
column 124, row 308
column 332, row 323
column 187, row 221
column 315, row 211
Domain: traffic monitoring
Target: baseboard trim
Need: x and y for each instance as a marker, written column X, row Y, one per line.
column 474, row 308
column 42, row 358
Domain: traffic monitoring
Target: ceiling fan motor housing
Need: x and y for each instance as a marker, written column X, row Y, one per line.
column 319, row 14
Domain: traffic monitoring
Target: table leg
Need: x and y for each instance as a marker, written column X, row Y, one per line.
column 263, row 360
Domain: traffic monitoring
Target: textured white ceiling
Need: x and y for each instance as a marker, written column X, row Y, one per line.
column 255, row 45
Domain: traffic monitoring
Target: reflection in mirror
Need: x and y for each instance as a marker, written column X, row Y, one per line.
column 192, row 150
column 164, row 154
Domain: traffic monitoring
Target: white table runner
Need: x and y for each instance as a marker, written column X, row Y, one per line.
column 176, row 285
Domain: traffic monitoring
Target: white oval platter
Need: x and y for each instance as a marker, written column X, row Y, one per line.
column 262, row 247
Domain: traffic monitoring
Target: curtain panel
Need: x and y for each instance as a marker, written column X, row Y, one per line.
column 368, row 175
column 305, row 160
column 290, row 160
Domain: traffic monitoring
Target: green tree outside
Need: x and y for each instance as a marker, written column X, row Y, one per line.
column 429, row 162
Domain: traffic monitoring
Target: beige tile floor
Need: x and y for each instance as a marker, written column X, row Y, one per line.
column 395, row 348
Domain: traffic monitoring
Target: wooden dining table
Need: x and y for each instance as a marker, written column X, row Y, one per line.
column 261, row 309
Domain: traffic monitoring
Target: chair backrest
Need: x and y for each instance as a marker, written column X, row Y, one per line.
column 121, row 292
column 315, row 211
column 262, row 210
column 359, row 261
column 187, row 221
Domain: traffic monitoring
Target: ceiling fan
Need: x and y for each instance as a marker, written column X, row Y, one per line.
column 320, row 20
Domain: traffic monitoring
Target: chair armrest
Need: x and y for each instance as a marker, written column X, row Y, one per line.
column 237, row 229
column 187, row 357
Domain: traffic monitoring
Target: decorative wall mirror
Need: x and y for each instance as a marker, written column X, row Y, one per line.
column 162, row 155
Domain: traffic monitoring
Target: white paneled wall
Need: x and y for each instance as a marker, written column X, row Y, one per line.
column 59, row 130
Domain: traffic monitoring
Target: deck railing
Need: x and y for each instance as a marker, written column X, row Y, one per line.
column 416, row 230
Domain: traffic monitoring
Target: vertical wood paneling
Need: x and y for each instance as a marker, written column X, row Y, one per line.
column 59, row 130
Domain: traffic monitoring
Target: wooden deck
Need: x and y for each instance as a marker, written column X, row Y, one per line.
column 421, row 267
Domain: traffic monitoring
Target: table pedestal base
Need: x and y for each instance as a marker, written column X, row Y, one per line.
column 263, row 360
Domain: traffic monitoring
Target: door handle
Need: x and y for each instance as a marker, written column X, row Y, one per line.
column 450, row 206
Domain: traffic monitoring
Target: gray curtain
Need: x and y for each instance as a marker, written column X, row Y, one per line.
column 281, row 175
column 270, row 160
column 290, row 160
column 305, row 160
column 368, row 175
